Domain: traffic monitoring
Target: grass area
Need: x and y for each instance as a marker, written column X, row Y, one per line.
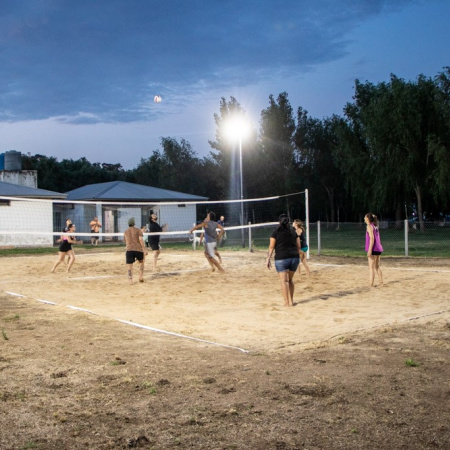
column 347, row 240
column 350, row 241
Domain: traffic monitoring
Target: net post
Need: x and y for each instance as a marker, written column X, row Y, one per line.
column 406, row 239
column 99, row 213
column 307, row 220
column 318, row 238
column 249, row 237
column 193, row 240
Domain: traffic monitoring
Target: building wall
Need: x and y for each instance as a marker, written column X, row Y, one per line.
column 178, row 218
column 114, row 219
column 26, row 178
column 26, row 224
column 31, row 223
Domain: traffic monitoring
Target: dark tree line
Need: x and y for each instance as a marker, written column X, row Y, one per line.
column 388, row 153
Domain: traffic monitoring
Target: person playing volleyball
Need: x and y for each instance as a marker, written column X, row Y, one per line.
column 135, row 250
column 153, row 240
column 374, row 248
column 216, row 252
column 286, row 244
column 300, row 230
column 211, row 238
column 65, row 248
column 64, row 237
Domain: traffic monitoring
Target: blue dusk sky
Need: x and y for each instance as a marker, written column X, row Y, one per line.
column 78, row 77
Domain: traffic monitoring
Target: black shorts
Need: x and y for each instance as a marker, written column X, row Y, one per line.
column 376, row 253
column 154, row 245
column 131, row 256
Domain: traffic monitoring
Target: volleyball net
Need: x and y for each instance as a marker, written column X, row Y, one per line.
column 31, row 222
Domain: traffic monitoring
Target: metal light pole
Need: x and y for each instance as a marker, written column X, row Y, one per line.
column 242, row 189
column 238, row 127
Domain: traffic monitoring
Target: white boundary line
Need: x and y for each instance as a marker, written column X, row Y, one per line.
column 46, row 302
column 15, row 295
column 157, row 330
column 180, row 335
column 82, row 309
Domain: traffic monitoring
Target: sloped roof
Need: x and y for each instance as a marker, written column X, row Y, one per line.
column 15, row 190
column 123, row 191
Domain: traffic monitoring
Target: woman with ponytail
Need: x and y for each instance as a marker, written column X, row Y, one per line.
column 285, row 242
column 374, row 248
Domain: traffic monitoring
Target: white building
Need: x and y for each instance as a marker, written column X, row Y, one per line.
column 34, row 217
column 117, row 201
column 26, row 216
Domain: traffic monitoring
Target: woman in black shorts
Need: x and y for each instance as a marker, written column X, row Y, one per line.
column 65, row 248
column 286, row 244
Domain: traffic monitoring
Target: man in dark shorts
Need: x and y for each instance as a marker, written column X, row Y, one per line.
column 222, row 240
column 135, row 250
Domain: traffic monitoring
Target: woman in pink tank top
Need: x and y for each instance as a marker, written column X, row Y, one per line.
column 374, row 248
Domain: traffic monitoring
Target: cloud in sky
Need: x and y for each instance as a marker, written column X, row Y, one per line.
column 92, row 62
column 94, row 65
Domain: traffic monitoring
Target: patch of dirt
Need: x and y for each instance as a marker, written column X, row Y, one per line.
column 69, row 380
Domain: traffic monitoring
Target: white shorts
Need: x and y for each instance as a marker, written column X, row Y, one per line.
column 210, row 249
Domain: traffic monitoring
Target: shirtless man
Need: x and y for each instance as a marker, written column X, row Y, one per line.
column 135, row 250
column 95, row 228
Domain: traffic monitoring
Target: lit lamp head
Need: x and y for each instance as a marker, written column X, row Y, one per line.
column 236, row 127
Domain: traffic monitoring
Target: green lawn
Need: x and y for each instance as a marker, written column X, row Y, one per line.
column 347, row 240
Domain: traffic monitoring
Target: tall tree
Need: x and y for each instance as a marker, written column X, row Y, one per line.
column 181, row 166
column 70, row 174
column 277, row 146
column 385, row 143
column 315, row 142
column 439, row 143
column 176, row 167
column 149, row 171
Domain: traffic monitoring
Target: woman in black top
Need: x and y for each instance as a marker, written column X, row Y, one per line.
column 300, row 230
column 153, row 239
column 65, row 248
column 286, row 244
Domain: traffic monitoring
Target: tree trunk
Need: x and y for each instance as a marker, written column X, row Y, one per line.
column 398, row 216
column 330, row 192
column 418, row 192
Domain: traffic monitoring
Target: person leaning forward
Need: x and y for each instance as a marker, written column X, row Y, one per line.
column 135, row 250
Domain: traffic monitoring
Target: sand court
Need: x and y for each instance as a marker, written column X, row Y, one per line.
column 241, row 309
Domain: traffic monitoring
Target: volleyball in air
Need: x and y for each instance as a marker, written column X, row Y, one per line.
column 157, row 99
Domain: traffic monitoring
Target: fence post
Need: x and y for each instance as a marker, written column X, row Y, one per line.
column 318, row 238
column 193, row 239
column 249, row 237
column 406, row 239
column 307, row 220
